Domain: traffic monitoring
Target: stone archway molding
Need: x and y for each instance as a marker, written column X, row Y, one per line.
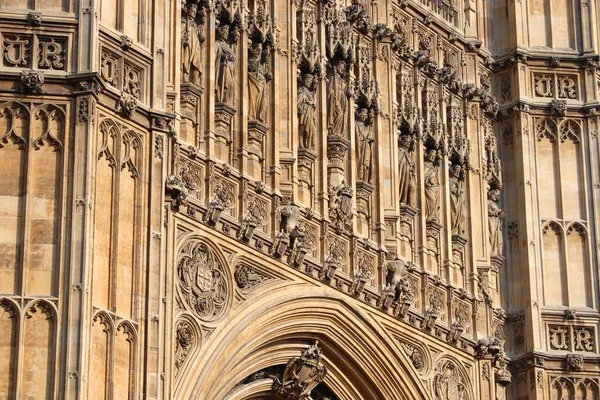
column 361, row 362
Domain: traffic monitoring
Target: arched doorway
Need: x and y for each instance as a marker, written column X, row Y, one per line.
column 361, row 362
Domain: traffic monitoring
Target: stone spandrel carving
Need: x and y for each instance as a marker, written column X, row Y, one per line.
column 457, row 200
column 202, row 281
column 495, row 221
column 301, row 375
column 448, row 384
column 407, row 170
column 365, row 142
column 184, row 341
column 307, row 110
column 192, row 39
column 225, row 64
column 432, row 187
column 247, row 277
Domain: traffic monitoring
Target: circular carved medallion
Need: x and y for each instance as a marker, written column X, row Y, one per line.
column 202, row 281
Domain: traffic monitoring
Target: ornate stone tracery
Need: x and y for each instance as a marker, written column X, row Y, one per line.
column 202, row 281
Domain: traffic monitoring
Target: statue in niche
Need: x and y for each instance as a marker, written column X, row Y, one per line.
column 259, row 75
column 457, row 200
column 191, row 44
column 225, row 63
column 432, row 187
column 407, row 175
column 307, row 110
column 337, row 101
column 365, row 145
column 495, row 218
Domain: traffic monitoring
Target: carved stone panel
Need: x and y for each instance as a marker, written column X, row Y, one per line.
column 202, row 281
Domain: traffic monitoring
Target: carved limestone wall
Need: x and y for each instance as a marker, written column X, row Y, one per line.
column 336, row 198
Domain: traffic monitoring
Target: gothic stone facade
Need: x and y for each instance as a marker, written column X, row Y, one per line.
column 277, row 199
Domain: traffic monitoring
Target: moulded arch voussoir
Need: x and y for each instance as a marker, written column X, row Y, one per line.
column 278, row 326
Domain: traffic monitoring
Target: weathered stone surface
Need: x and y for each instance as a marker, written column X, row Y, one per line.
column 240, row 199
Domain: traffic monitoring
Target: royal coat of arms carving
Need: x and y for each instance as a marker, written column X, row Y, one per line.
column 301, row 375
column 202, row 281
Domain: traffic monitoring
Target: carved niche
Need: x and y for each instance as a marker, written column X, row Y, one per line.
column 262, row 41
column 202, row 280
column 193, row 16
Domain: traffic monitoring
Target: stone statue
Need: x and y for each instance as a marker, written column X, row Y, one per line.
column 307, row 111
column 191, row 45
column 337, row 101
column 258, row 76
column 457, row 201
column 365, row 146
column 495, row 218
column 407, row 176
column 225, row 63
column 432, row 187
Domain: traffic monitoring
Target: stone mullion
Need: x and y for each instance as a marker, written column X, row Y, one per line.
column 25, row 220
column 80, row 228
column 169, row 301
column 240, row 119
column 156, row 238
column 114, row 243
column 209, row 93
column 272, row 137
column 531, row 235
column 350, row 173
column 420, row 239
column 475, row 186
column 80, row 312
column 384, row 144
column 593, row 152
column 445, row 217
column 321, row 165
column 585, row 150
column 287, row 123
column 393, row 125
column 87, row 53
column 471, row 274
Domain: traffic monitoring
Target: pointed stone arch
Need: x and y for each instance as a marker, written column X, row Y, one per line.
column 276, row 327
